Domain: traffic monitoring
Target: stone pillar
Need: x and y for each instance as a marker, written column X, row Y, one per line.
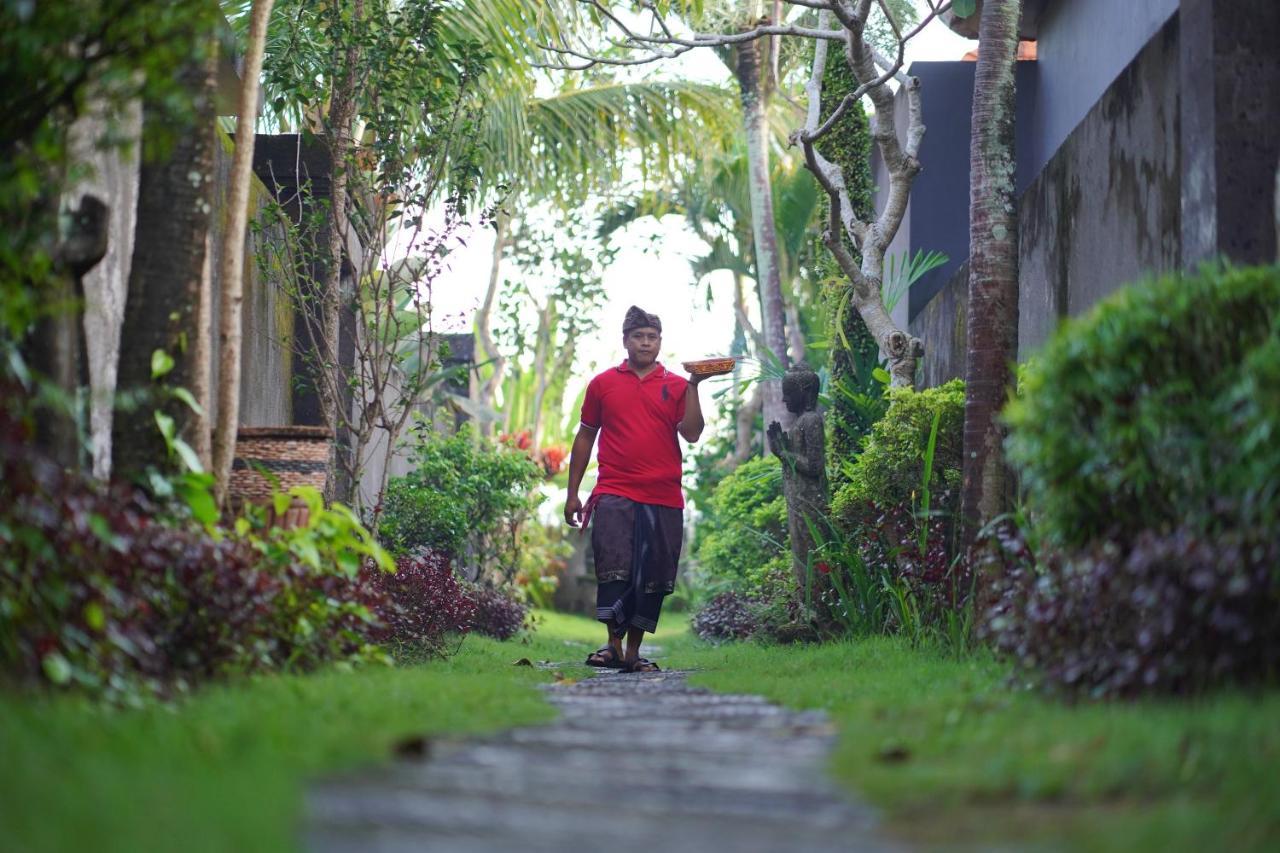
column 1229, row 74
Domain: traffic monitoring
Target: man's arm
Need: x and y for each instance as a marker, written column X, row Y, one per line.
column 578, row 459
column 690, row 426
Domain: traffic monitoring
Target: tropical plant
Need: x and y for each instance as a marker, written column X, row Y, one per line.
column 464, row 498
column 1153, row 412
column 991, row 328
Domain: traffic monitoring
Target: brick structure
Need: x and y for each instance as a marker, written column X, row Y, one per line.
column 293, row 455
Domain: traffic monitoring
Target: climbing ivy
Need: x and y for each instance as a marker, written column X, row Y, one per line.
column 856, row 398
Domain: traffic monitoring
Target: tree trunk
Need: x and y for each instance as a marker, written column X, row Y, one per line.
column 795, row 332
column 484, row 321
column 744, row 439
column 993, row 265
column 174, row 204
column 332, row 380
column 202, row 358
column 764, row 234
column 231, row 321
column 541, row 377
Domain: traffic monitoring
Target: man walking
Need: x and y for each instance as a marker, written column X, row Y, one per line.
column 636, row 509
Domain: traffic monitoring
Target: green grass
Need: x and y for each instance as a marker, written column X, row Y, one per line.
column 944, row 746
column 226, row 769
column 952, row 752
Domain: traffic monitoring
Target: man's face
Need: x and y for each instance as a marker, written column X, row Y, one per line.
column 642, row 345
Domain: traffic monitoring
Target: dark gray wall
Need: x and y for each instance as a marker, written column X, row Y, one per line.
column 939, row 210
column 1105, row 211
column 1083, row 45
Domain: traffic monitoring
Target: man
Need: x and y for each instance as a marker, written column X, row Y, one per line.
column 637, row 523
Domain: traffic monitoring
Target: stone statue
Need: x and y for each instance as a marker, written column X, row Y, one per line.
column 804, row 464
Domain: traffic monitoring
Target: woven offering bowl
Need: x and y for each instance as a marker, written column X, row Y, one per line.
column 709, row 366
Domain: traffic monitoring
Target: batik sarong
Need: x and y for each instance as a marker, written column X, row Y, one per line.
column 636, row 548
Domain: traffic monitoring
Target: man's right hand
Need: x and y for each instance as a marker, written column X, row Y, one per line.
column 573, row 511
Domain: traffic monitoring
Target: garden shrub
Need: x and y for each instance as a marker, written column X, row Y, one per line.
column 745, row 528
column 882, row 538
column 1148, row 441
column 97, row 593
column 463, row 497
column 1156, row 411
column 1170, row 612
column 424, row 604
column 890, row 470
column 496, row 614
column 726, row 616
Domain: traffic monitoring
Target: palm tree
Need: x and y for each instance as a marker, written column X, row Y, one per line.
column 992, row 338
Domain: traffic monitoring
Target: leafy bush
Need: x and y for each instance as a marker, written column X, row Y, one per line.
column 462, row 497
column 496, row 614
column 890, row 470
column 424, row 603
column 891, row 549
column 727, row 616
column 1173, row 612
column 745, row 528
column 1156, row 410
column 97, row 593
column 1148, row 440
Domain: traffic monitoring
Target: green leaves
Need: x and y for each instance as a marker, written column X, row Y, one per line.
column 161, row 364
column 964, row 8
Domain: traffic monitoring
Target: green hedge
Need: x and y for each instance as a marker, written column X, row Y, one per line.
column 890, row 470
column 1158, row 409
column 460, row 491
column 745, row 530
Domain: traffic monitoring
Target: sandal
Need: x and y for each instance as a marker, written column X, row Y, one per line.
column 605, row 657
column 641, row 665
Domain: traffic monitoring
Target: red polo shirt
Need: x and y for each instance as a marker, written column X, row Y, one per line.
column 639, row 456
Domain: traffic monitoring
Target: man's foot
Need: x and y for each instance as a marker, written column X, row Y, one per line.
column 641, row 665
column 607, row 657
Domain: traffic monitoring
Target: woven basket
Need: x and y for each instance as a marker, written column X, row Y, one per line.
column 292, row 455
column 709, row 365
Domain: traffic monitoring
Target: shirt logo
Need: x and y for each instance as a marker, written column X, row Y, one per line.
column 666, row 395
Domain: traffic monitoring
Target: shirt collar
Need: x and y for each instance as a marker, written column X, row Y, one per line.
column 658, row 370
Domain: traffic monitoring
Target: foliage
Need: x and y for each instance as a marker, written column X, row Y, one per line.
column 855, row 395
column 424, row 604
column 1151, row 491
column 745, row 529
column 1156, row 410
column 495, row 613
column 53, row 65
column 1174, row 612
column 726, row 616
column 98, row 593
column 891, row 547
column 890, row 470
column 464, row 497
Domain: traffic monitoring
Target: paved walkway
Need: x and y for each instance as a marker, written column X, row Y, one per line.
column 697, row 772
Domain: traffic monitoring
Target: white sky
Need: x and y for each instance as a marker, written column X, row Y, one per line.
column 658, row 281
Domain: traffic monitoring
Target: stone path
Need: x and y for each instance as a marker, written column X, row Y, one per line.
column 697, row 772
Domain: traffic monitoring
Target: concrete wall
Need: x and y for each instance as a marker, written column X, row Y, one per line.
column 1105, row 211
column 1083, row 46
column 266, row 358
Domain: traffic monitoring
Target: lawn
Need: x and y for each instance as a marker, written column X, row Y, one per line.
column 946, row 747
column 952, row 752
column 225, row 770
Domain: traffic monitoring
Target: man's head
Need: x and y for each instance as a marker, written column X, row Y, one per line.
column 800, row 387
column 641, row 337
